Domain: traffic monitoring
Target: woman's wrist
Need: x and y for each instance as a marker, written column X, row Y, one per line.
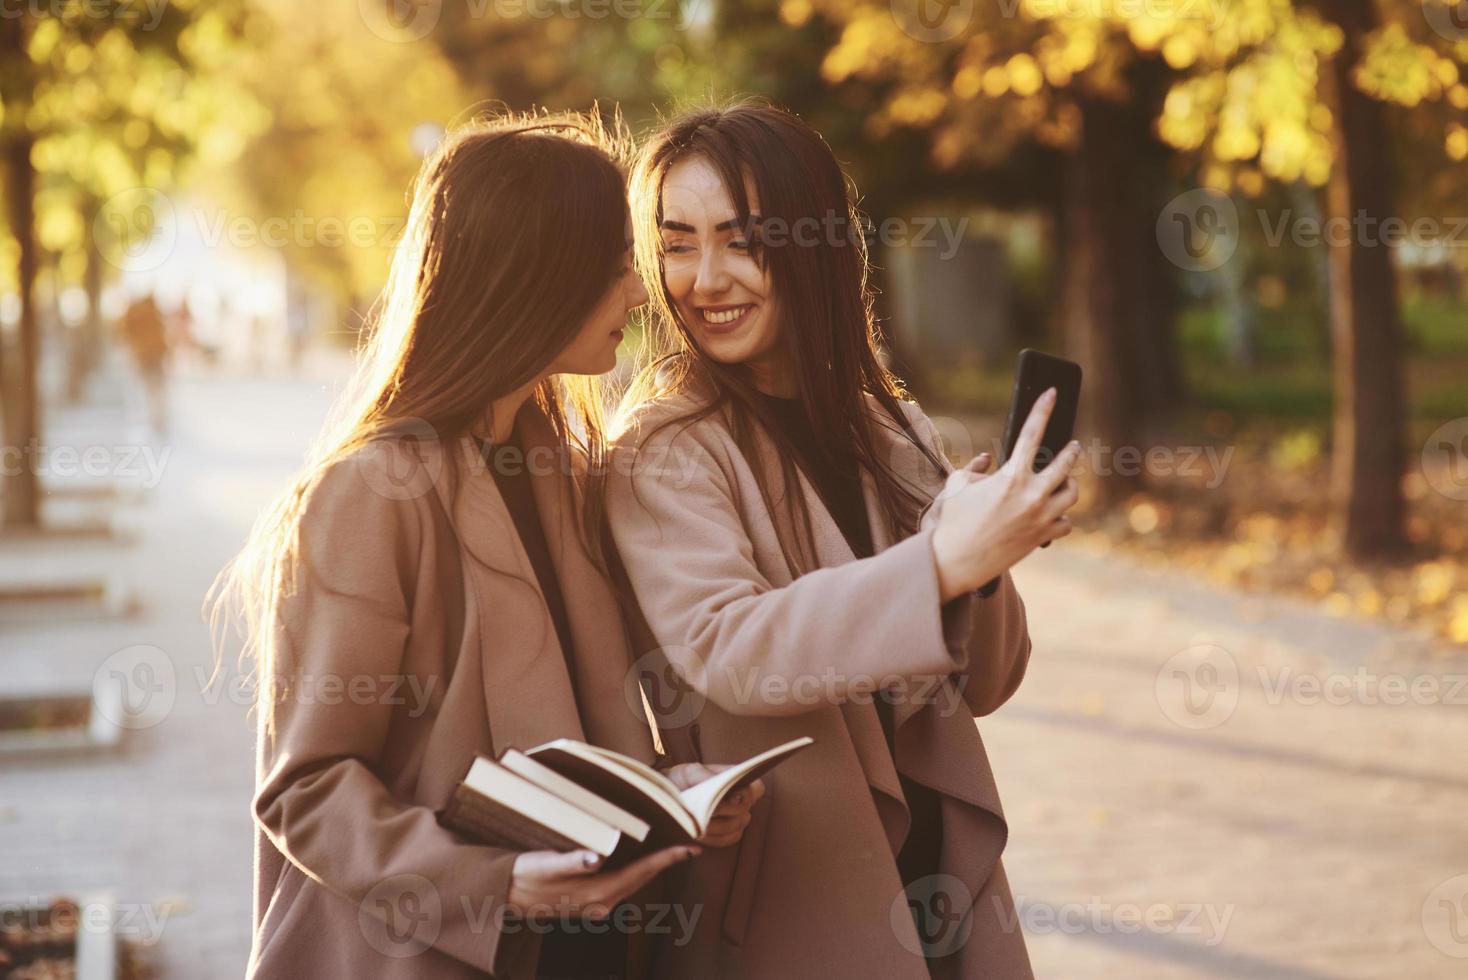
column 959, row 572
column 952, row 580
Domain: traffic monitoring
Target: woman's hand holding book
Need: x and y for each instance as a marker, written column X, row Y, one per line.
column 549, row 884
column 732, row 815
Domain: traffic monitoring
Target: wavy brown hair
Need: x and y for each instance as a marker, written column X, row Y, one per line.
column 827, row 330
column 516, row 231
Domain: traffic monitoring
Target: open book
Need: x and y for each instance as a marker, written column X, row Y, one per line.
column 565, row 795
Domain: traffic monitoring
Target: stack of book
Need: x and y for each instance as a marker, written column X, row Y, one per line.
column 566, row 795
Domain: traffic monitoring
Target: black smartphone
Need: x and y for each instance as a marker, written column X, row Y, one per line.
column 1038, row 371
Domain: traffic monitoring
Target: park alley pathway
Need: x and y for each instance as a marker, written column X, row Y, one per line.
column 162, row 822
column 1201, row 784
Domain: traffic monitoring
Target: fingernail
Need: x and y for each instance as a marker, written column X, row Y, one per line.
column 1050, row 394
column 590, row 858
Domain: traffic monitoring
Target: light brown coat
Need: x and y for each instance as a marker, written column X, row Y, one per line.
column 453, row 652
column 768, row 655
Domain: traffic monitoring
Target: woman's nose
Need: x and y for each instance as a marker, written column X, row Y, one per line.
column 637, row 296
column 713, row 278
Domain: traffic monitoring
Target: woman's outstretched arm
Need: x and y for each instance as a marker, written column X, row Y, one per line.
column 988, row 634
column 749, row 646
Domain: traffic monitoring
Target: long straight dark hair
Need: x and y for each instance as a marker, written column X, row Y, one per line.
column 517, row 230
column 822, row 289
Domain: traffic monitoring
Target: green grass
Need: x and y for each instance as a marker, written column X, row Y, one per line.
column 1436, row 325
column 1290, row 383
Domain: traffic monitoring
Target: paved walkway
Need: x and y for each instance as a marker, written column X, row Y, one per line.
column 1174, row 812
column 163, row 822
column 1277, row 794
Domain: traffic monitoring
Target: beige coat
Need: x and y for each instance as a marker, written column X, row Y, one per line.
column 452, row 652
column 813, row 889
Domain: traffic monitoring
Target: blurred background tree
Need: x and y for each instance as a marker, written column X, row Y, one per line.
column 1131, row 183
column 1140, row 99
column 105, row 106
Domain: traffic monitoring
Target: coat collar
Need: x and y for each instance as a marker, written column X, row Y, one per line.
column 527, row 688
column 928, row 746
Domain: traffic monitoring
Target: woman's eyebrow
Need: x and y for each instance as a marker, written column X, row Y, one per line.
column 754, row 220
column 667, row 225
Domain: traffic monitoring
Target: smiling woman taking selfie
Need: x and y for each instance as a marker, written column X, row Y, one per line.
column 773, row 501
column 430, row 588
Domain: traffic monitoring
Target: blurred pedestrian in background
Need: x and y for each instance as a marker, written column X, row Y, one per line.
column 142, row 331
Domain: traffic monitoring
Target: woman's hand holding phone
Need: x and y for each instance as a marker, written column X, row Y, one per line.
column 989, row 521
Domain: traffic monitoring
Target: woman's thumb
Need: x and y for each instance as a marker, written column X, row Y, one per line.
column 980, row 463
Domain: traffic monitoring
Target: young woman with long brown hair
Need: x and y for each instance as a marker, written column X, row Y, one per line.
column 430, row 589
column 773, row 501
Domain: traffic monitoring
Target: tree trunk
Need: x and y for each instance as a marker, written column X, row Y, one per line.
column 1117, row 288
column 86, row 337
column 1093, row 303
column 20, row 501
column 1150, row 278
column 1366, row 327
column 22, row 496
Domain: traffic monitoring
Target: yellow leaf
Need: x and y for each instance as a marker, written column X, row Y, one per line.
column 1024, row 74
column 795, row 13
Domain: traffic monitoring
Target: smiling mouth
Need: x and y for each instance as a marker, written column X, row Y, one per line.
column 725, row 318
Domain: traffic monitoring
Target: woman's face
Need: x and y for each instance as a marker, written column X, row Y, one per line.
column 718, row 290
column 594, row 349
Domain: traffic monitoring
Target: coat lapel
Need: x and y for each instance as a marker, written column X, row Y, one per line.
column 610, row 705
column 527, row 691
column 930, row 748
column 527, row 688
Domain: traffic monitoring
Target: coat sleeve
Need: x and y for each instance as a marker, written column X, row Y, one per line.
column 319, row 798
column 750, row 647
column 989, row 635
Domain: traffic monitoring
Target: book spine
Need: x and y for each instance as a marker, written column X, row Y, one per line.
column 495, row 824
